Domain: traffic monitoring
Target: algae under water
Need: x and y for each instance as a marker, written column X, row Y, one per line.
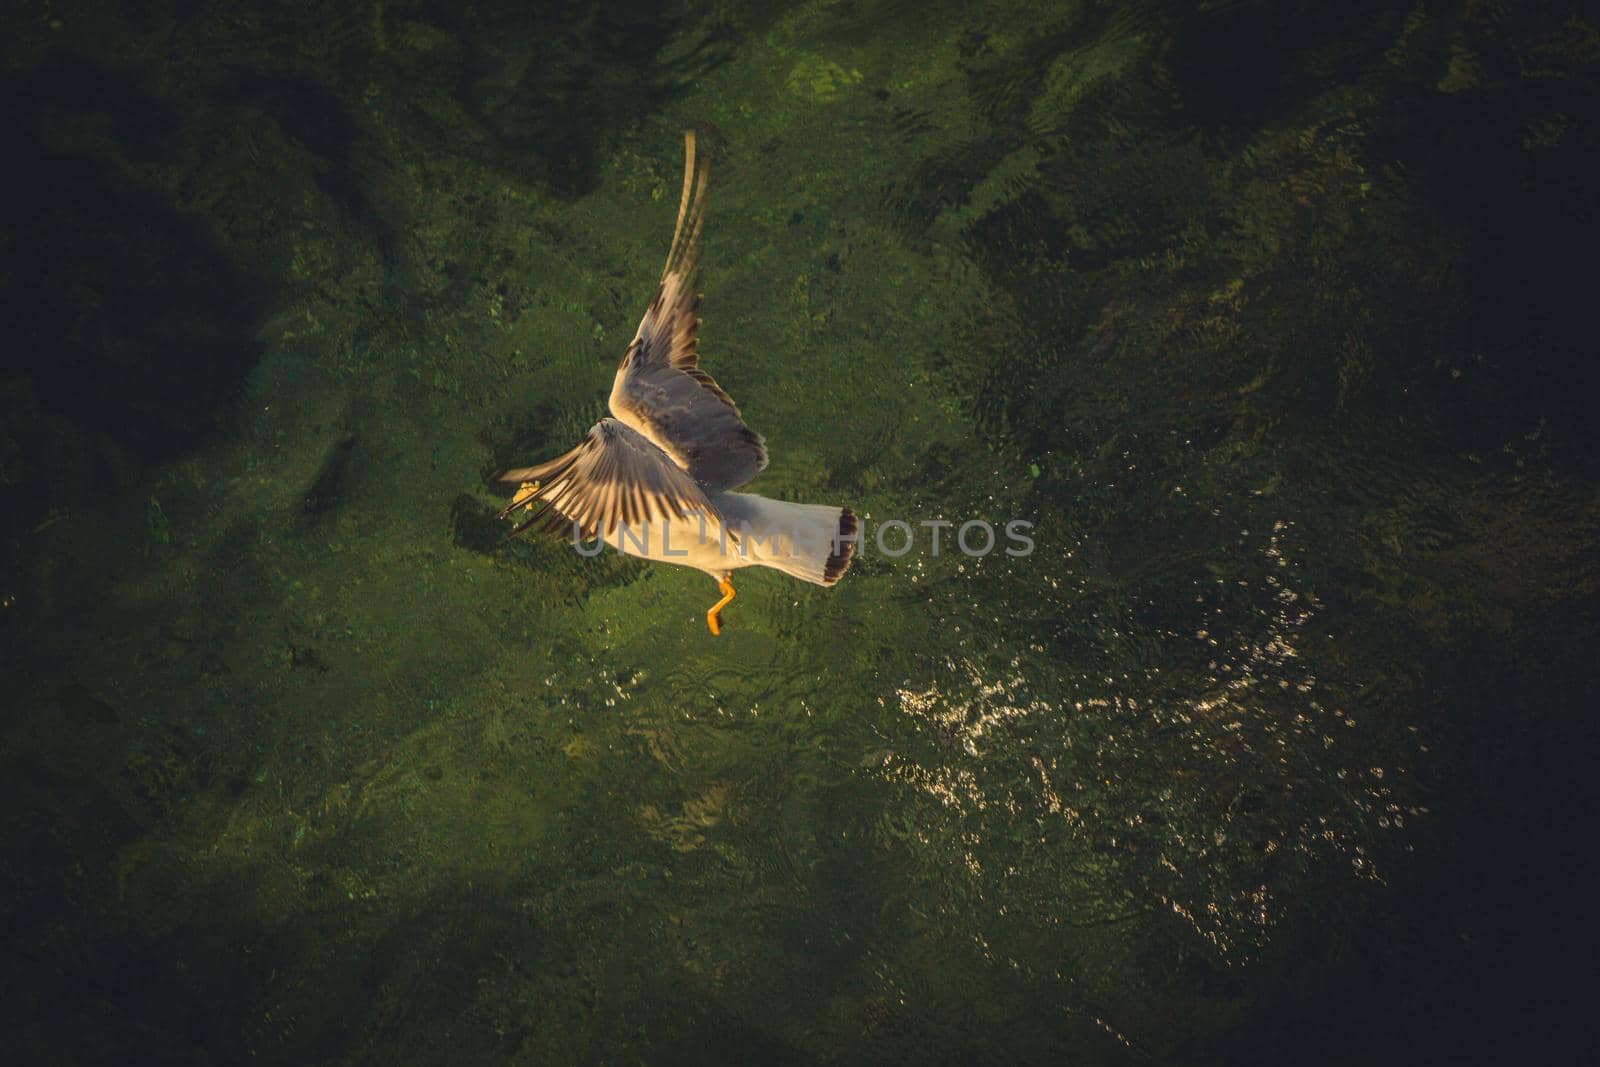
column 1275, row 749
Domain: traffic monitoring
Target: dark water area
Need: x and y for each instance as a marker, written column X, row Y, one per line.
column 1272, row 320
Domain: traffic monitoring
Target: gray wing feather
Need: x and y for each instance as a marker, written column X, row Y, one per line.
column 691, row 420
column 660, row 389
column 614, row 476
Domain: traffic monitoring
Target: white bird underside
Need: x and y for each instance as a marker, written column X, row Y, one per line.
column 653, row 481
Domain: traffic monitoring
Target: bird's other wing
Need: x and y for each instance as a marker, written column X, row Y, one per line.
column 613, row 476
column 660, row 389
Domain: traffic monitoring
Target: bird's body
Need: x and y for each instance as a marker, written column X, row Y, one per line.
column 743, row 530
column 656, row 479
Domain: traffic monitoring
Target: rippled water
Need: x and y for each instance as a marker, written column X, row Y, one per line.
column 315, row 767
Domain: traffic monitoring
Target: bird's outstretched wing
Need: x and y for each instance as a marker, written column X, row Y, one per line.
column 660, row 389
column 613, row 476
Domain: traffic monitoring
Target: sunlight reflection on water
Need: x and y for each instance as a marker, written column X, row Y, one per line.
column 1183, row 790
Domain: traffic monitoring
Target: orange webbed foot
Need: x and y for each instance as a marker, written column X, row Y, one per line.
column 714, row 614
column 525, row 494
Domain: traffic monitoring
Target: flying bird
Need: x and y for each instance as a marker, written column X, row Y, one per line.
column 655, row 479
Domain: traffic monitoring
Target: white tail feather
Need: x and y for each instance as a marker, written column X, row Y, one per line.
column 812, row 542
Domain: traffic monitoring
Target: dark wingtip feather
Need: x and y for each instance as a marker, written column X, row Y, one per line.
column 844, row 547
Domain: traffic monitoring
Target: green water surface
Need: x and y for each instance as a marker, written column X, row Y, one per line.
column 1255, row 312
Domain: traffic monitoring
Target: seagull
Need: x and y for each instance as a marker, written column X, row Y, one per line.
column 655, row 479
